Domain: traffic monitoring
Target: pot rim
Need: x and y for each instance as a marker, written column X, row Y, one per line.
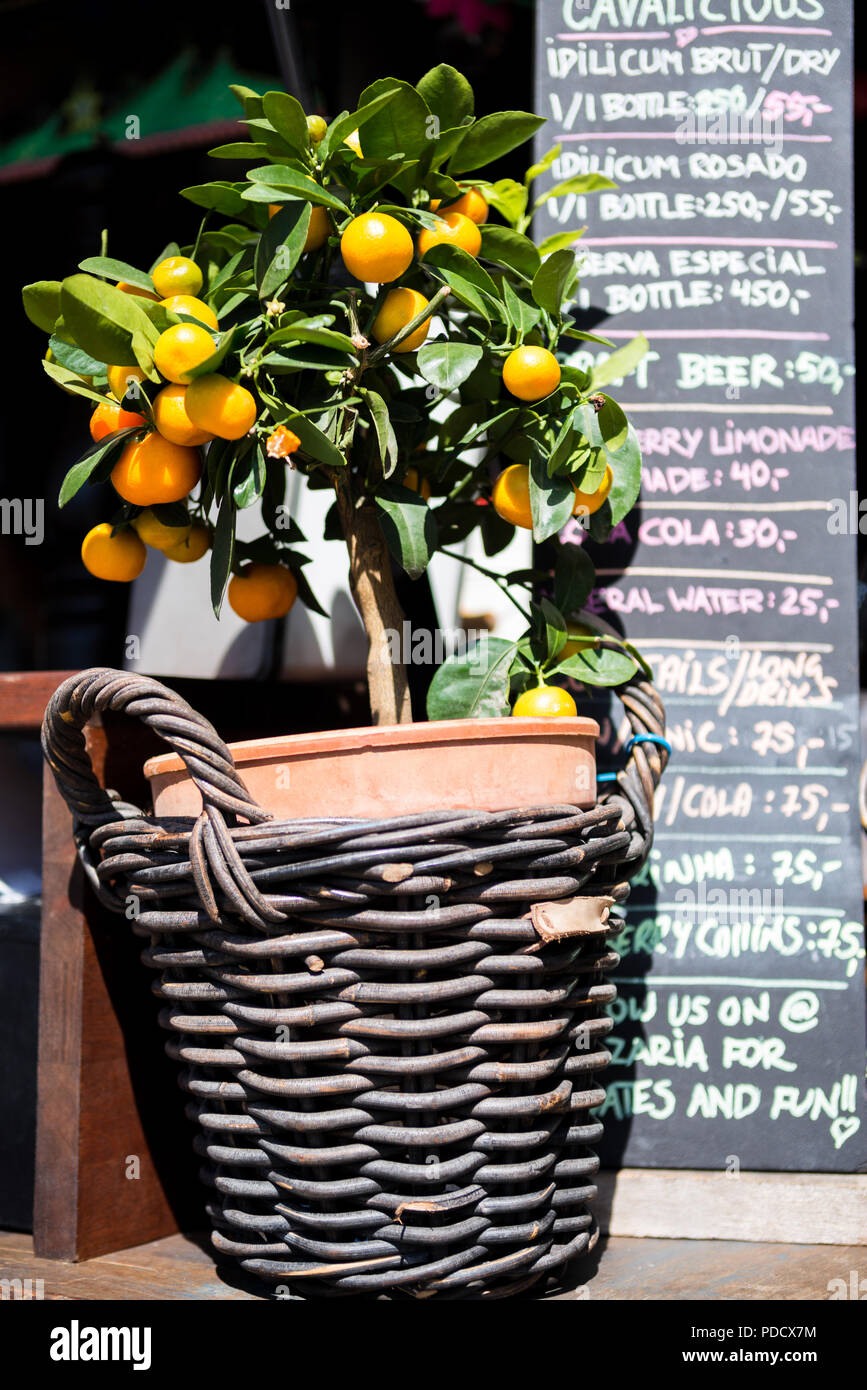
column 370, row 737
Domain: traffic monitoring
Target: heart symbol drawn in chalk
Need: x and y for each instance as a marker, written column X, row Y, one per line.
column 685, row 36
column 843, row 1128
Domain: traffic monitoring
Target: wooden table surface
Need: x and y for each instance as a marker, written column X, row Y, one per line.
column 620, row 1267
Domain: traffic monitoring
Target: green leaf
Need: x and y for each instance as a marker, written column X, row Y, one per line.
column 385, row 435
column 301, row 333
column 507, row 197
column 544, row 164
column 314, row 442
column 305, row 593
column 72, row 382
column 587, row 337
column 448, row 95
column 221, row 197
column 465, row 277
column 613, row 424
column 574, row 578
column 250, row 100
column 240, row 149
column 551, row 500
column 221, row 351
column 103, row 320
column 96, row 455
column 560, row 241
column 492, row 137
column 446, row 364
column 352, row 120
column 286, row 115
column 474, row 685
column 280, row 247
column 551, row 280
column 505, row 247
column 222, row 552
column 249, row 488
column 74, row 358
column 590, row 475
column 408, row 526
column 42, row 303
column 301, row 357
column 626, row 468
column 108, row 269
column 595, row 666
column 620, row 363
column 581, row 183
column 552, row 627
column 523, row 316
column 402, row 124
column 171, row 513
column 281, row 179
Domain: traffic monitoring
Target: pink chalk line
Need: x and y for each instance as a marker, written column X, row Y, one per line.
column 718, row 333
column 677, row 135
column 703, row 241
column 598, row 34
column 764, row 29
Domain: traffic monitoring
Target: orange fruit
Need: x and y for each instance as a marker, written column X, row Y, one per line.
column 452, row 229
column 545, row 702
column 281, row 443
column 108, row 418
column 153, row 470
column 120, row 557
column 511, row 496
column 580, row 638
column 411, row 479
column 262, row 591
column 176, row 275
column 376, row 247
column 182, row 348
column 318, row 230
column 196, row 308
column 531, row 373
column 172, row 420
column 586, row 503
column 194, row 545
column 220, row 406
column 434, row 204
column 353, row 140
column 155, row 533
column 134, row 289
column 118, row 378
column 316, row 128
column 399, row 307
column 472, row 205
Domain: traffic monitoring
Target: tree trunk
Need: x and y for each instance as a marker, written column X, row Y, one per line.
column 372, row 585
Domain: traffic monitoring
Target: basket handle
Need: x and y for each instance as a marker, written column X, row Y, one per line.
column 204, row 753
column 636, row 783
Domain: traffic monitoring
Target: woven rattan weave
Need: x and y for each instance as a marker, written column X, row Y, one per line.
column 389, row 1031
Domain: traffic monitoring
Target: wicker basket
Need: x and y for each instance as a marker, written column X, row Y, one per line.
column 390, row 1030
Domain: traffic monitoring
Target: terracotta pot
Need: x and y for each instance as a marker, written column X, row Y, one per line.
column 399, row 769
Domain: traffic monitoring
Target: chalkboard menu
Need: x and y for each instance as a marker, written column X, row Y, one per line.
column 726, row 127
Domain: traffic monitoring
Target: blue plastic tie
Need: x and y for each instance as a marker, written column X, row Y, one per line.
column 647, row 738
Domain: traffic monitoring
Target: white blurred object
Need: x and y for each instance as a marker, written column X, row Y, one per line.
column 171, row 628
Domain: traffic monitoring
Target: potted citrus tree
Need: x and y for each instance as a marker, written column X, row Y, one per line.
column 363, row 306
column 389, row 1027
